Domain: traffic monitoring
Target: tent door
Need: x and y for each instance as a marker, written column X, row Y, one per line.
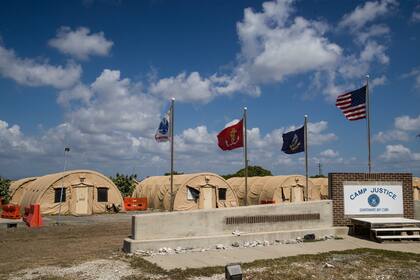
column 208, row 197
column 82, row 200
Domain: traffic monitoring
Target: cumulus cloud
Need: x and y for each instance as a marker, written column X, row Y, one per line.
column 31, row 72
column 390, row 136
column 407, row 123
column 13, row 143
column 184, row 87
column 367, row 12
column 329, row 153
column 274, row 44
column 80, row 43
column 399, row 152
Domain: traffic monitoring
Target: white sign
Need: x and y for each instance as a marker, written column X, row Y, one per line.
column 373, row 199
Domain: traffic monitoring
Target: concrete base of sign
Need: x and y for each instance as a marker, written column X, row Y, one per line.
column 131, row 245
column 206, row 228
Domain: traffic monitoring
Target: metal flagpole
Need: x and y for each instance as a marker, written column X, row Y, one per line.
column 306, row 155
column 246, row 158
column 66, row 149
column 172, row 152
column 368, row 121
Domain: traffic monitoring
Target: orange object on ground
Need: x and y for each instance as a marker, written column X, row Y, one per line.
column 267, row 202
column 11, row 211
column 32, row 216
column 135, row 204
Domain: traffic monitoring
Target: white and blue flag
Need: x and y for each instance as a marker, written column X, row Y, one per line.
column 163, row 131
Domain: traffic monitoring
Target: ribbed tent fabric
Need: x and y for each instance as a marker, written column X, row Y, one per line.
column 323, row 185
column 86, row 192
column 277, row 189
column 191, row 191
column 416, row 188
column 16, row 189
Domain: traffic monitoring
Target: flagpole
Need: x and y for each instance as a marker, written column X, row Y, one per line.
column 172, row 152
column 306, row 156
column 368, row 122
column 246, row 157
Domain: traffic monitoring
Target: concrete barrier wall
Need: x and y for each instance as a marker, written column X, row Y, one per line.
column 417, row 209
column 156, row 229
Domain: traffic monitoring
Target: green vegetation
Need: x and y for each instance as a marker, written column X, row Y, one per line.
column 125, row 183
column 318, row 176
column 359, row 263
column 252, row 172
column 4, row 189
column 175, row 173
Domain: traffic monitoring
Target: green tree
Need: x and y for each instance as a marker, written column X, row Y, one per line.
column 252, row 172
column 175, row 173
column 125, row 183
column 4, row 189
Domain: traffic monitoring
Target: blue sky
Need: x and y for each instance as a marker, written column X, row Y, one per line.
column 97, row 75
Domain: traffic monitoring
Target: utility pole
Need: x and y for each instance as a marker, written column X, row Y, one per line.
column 319, row 168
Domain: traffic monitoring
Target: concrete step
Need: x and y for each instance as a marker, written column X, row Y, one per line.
column 396, row 229
column 388, row 237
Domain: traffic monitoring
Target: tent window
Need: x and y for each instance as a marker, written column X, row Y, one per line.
column 102, row 194
column 192, row 194
column 59, row 192
column 222, row 194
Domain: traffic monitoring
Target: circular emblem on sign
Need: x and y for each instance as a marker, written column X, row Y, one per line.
column 373, row 200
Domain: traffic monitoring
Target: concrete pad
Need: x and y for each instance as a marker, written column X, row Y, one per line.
column 244, row 255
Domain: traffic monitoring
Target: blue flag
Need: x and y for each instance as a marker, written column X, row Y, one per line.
column 163, row 131
column 294, row 141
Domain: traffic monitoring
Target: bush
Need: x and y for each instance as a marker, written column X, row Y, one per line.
column 4, row 189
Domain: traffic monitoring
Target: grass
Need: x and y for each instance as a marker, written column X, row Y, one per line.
column 358, row 263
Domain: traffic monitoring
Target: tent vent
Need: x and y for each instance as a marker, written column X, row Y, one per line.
column 271, row 218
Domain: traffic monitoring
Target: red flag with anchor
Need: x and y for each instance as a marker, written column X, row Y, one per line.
column 231, row 137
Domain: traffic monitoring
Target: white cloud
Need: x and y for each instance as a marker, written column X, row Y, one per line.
column 13, row 143
column 379, row 81
column 408, row 124
column 376, row 30
column 391, row 135
column 78, row 92
column 317, row 134
column 80, row 44
column 367, row 12
column 374, row 50
column 184, row 87
column 399, row 152
column 416, row 74
column 273, row 44
column 116, row 103
column 329, row 153
column 30, row 72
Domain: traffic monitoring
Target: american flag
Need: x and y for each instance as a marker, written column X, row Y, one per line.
column 353, row 104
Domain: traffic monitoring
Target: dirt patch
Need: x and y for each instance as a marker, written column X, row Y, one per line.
column 63, row 245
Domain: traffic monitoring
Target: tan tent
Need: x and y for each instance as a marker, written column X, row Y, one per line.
column 17, row 188
column 322, row 183
column 416, row 188
column 273, row 188
column 82, row 192
column 191, row 191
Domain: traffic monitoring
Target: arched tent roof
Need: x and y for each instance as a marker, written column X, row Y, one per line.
column 416, row 188
column 189, row 191
column 41, row 191
column 323, row 184
column 16, row 189
column 273, row 188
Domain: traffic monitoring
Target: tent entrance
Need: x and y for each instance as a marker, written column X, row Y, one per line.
column 82, row 204
column 207, row 197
